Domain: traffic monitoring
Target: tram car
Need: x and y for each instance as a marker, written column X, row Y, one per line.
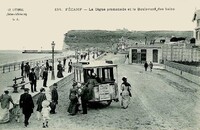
column 106, row 75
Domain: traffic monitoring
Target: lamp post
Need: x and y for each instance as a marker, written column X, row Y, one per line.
column 88, row 54
column 52, row 72
column 77, row 56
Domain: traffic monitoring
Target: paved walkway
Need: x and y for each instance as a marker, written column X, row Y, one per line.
column 6, row 79
column 16, row 96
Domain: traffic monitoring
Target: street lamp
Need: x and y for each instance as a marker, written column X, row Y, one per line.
column 52, row 72
column 88, row 54
column 77, row 56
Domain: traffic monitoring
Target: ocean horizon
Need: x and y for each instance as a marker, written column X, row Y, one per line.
column 10, row 56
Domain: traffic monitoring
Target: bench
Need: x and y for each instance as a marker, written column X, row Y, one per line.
column 16, row 85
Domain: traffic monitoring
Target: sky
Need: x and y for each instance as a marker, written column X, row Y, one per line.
column 43, row 24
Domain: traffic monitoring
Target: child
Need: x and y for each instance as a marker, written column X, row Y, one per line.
column 79, row 89
column 16, row 112
column 45, row 112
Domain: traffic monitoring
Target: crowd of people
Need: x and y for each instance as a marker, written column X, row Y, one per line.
column 46, row 105
column 41, row 72
column 81, row 93
column 47, row 100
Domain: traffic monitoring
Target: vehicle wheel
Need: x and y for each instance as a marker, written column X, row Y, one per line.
column 106, row 103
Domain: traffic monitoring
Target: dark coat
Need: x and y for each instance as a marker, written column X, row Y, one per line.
column 40, row 99
column 54, row 94
column 73, row 105
column 60, row 69
column 27, row 68
column 146, row 65
column 22, row 66
column 84, row 94
column 45, row 75
column 70, row 63
column 26, row 103
column 32, row 76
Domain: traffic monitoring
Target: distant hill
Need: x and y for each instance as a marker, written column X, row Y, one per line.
column 104, row 38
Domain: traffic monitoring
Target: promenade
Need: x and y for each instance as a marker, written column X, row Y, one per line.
column 160, row 101
column 6, row 80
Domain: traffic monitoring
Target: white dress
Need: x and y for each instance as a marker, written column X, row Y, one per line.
column 125, row 96
column 45, row 113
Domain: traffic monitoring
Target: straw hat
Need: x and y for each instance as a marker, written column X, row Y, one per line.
column 45, row 103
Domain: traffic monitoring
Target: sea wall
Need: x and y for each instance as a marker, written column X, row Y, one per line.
column 189, row 76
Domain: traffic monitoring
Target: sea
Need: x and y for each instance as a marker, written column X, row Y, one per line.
column 10, row 56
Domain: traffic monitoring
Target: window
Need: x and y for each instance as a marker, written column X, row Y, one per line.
column 143, row 55
column 134, row 55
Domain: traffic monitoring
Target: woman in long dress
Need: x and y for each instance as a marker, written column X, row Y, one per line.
column 60, row 70
column 73, row 106
column 125, row 94
column 5, row 100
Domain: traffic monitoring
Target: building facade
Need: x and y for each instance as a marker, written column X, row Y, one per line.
column 141, row 53
column 197, row 29
column 180, row 52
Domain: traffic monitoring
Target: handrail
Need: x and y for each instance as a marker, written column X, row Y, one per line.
column 13, row 66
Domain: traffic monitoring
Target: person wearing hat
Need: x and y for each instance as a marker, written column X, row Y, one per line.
column 45, row 113
column 45, row 77
column 70, row 66
column 22, row 68
column 73, row 105
column 5, row 100
column 54, row 98
column 42, row 68
column 60, row 70
column 40, row 99
column 27, row 69
column 92, row 82
column 47, row 65
column 84, row 98
column 27, row 105
column 125, row 94
column 37, row 71
column 33, row 80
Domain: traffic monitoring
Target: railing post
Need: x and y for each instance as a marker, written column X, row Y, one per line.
column 14, row 67
column 15, row 86
column 9, row 68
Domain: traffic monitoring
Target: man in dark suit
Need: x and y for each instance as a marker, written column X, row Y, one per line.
column 54, row 97
column 45, row 77
column 70, row 66
column 27, row 69
column 84, row 98
column 33, row 80
column 27, row 105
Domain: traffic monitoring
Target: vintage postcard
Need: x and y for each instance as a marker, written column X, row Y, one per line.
column 100, row 64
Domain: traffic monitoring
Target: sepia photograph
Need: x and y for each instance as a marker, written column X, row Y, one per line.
column 100, row 64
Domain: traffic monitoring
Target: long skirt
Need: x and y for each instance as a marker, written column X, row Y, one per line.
column 73, row 108
column 125, row 101
column 4, row 115
column 59, row 74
